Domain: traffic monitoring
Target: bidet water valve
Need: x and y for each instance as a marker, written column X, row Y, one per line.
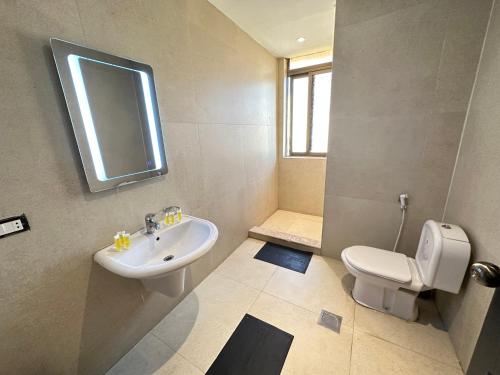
column 403, row 200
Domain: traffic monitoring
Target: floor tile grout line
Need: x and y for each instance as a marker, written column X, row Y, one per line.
column 262, row 290
column 301, row 307
column 409, row 350
column 253, row 303
column 245, row 285
column 293, row 303
column 361, row 330
column 276, row 268
column 163, row 341
column 222, row 274
column 247, row 311
column 352, row 338
column 290, row 302
column 177, row 352
column 192, row 363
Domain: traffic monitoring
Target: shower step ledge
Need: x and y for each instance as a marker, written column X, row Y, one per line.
column 285, row 239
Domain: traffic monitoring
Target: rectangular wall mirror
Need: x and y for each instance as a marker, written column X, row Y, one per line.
column 114, row 111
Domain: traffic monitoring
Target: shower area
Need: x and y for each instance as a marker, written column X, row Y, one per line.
column 304, row 86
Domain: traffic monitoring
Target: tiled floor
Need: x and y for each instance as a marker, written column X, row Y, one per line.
column 308, row 226
column 188, row 339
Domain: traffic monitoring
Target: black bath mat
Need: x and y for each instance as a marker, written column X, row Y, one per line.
column 254, row 348
column 286, row 257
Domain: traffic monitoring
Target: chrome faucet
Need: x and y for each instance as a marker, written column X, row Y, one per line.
column 151, row 224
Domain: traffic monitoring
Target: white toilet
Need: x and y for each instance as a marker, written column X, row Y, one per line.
column 390, row 282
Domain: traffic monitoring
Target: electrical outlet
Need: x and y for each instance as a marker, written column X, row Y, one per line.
column 13, row 225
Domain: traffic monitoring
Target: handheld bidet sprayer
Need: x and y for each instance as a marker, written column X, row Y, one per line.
column 403, row 203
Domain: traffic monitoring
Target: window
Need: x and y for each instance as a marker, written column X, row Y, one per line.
column 308, row 109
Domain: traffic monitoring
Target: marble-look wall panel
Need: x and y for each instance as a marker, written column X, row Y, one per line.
column 473, row 201
column 403, row 73
column 60, row 312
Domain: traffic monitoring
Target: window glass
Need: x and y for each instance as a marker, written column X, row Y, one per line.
column 321, row 112
column 300, row 88
column 308, row 104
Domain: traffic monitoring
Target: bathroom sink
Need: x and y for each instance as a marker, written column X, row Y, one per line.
column 159, row 260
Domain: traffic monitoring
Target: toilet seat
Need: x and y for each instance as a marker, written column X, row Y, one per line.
column 383, row 267
column 379, row 263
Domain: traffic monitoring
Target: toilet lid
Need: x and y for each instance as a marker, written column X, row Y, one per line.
column 383, row 263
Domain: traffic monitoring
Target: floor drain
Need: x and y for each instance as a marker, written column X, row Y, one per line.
column 330, row 320
column 168, row 257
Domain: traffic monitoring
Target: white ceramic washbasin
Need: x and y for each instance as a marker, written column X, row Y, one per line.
column 159, row 260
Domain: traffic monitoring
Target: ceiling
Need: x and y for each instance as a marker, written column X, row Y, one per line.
column 276, row 24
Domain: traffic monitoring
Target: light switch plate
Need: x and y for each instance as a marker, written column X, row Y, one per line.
column 12, row 225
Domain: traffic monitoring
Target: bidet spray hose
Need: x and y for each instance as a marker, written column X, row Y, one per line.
column 403, row 201
column 400, row 229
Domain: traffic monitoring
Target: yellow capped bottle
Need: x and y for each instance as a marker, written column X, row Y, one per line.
column 118, row 242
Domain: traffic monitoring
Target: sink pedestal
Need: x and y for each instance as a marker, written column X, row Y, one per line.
column 172, row 284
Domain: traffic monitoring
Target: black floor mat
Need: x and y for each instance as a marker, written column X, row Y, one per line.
column 286, row 257
column 254, row 348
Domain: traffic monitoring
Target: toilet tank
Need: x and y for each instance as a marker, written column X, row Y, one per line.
column 442, row 256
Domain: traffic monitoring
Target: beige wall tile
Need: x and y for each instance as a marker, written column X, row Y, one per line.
column 302, row 185
column 261, row 199
column 350, row 221
column 259, row 152
column 49, row 317
column 227, row 212
column 222, row 162
column 185, row 161
column 364, row 10
column 465, row 27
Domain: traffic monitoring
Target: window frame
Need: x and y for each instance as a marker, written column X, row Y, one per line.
column 308, row 71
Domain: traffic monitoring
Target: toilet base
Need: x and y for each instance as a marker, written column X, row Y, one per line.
column 398, row 302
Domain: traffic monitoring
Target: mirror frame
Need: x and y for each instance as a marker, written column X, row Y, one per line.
column 86, row 138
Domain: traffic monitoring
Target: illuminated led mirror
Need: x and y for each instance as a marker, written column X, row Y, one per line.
column 114, row 111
